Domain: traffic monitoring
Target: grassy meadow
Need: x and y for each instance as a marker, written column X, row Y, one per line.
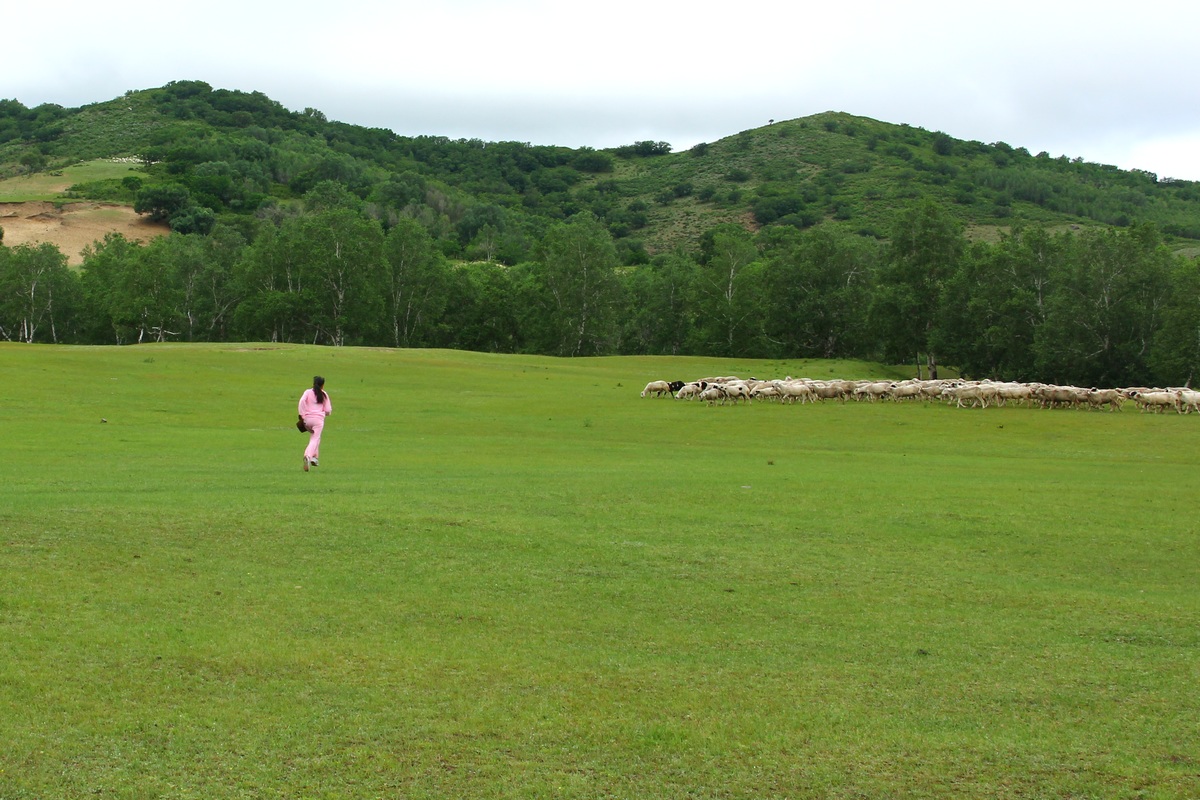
column 49, row 185
column 513, row 577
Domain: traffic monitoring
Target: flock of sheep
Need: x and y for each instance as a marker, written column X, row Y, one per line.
column 729, row 389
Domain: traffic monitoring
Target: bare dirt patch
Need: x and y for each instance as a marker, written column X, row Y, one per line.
column 73, row 226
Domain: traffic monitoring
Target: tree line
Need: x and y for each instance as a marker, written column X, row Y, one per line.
column 1089, row 307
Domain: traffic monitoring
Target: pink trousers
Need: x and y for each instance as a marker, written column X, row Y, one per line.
column 314, row 424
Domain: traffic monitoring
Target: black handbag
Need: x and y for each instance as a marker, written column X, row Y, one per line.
column 300, row 426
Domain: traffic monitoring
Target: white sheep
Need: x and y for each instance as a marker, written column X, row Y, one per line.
column 764, row 389
column 791, row 391
column 734, row 391
column 657, row 388
column 873, row 390
column 1113, row 398
column 1158, row 401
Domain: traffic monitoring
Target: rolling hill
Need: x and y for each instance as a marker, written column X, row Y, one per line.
column 243, row 154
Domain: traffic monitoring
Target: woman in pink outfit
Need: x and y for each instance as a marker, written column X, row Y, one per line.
column 314, row 408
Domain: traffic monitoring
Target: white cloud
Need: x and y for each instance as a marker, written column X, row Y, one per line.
column 1170, row 157
column 1103, row 81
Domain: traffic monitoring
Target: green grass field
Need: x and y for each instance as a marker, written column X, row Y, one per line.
column 513, row 577
column 48, row 186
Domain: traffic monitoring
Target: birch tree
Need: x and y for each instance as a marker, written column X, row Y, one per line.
column 576, row 272
column 37, row 291
column 417, row 283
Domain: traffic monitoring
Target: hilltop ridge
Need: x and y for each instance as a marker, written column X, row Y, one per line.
column 241, row 154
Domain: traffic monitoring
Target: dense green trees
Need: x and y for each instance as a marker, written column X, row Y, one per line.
column 572, row 292
column 729, row 294
column 833, row 236
column 160, row 203
column 240, row 155
column 173, row 204
column 1175, row 352
column 418, row 285
column 819, row 286
column 661, row 306
column 993, row 304
column 1096, row 308
column 40, row 124
column 926, row 246
column 1093, row 307
column 1105, row 306
column 109, row 310
column 38, row 294
column 482, row 312
column 316, row 278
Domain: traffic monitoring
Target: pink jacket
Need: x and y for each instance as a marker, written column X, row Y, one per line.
column 309, row 407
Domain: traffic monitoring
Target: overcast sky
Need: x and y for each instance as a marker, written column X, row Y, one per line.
column 1114, row 83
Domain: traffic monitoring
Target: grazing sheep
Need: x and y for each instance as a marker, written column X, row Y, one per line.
column 765, row 390
column 657, row 388
column 975, row 394
column 734, row 391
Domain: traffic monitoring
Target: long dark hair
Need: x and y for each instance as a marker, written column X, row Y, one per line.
column 318, row 382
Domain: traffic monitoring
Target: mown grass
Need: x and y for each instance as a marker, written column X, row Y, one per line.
column 514, row 577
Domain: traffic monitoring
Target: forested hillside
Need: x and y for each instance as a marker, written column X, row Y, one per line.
column 831, row 236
